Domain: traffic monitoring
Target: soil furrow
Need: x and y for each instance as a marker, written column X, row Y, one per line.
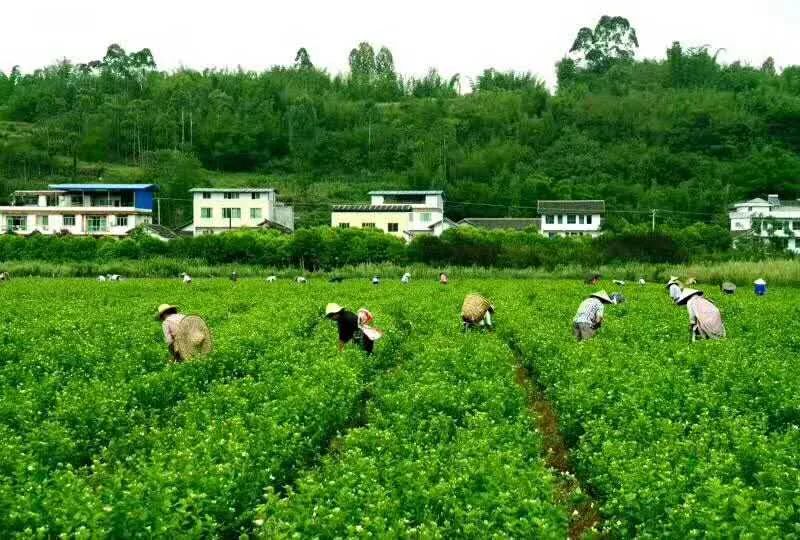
column 583, row 509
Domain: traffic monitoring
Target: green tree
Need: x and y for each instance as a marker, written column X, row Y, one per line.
column 613, row 38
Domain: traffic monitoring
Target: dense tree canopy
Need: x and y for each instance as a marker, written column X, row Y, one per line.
column 683, row 133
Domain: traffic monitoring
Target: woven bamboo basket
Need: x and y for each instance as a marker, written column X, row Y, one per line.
column 475, row 307
column 193, row 338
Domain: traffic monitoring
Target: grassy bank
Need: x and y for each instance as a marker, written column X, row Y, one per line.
column 778, row 272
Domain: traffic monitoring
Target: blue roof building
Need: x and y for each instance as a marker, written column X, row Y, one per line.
column 80, row 209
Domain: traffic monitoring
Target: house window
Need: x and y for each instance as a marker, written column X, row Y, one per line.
column 42, row 222
column 255, row 213
column 589, row 220
column 344, row 225
column 425, row 217
column 51, row 200
column 231, row 213
column 749, row 208
column 69, row 221
column 796, row 225
column 206, row 194
column 231, row 195
column 205, row 213
column 571, row 219
column 581, row 219
column 122, row 221
column 393, row 227
column 76, row 200
column 97, row 224
column 368, row 225
column 17, row 223
column 255, row 196
column 560, row 220
column 550, row 220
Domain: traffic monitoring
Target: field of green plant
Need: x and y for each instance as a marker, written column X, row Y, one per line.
column 520, row 433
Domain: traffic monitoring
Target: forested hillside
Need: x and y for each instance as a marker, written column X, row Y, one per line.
column 681, row 133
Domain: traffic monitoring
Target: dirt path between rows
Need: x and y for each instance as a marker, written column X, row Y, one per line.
column 584, row 518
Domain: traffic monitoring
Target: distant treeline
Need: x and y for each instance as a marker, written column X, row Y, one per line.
column 684, row 132
column 324, row 248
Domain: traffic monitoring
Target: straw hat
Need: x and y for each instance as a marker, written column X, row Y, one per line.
column 163, row 308
column 475, row 307
column 759, row 281
column 193, row 337
column 686, row 294
column 603, row 297
column 332, row 308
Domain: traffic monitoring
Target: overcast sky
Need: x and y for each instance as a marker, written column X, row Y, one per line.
column 455, row 36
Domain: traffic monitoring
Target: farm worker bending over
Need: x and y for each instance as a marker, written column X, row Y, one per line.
column 443, row 278
column 589, row 317
column 674, row 288
column 476, row 311
column 406, row 279
column 354, row 327
column 170, row 319
column 705, row 320
column 186, row 336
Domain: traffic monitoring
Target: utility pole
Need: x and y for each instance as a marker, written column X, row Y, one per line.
column 158, row 203
column 654, row 219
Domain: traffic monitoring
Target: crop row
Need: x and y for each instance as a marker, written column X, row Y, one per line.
column 676, row 439
column 447, row 450
column 170, row 449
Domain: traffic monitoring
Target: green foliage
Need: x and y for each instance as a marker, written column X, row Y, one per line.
column 674, row 437
column 681, row 133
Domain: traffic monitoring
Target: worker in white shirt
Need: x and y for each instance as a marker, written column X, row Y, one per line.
column 170, row 319
column 674, row 288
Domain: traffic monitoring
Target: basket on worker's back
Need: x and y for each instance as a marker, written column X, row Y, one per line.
column 193, row 338
column 475, row 307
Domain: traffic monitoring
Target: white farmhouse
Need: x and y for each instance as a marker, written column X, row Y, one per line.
column 79, row 209
column 571, row 218
column 221, row 210
column 768, row 218
column 404, row 214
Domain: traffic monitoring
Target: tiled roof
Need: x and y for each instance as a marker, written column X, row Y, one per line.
column 572, row 207
column 269, row 224
column 160, row 230
column 501, row 223
column 372, row 208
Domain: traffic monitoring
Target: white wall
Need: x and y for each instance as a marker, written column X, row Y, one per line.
column 563, row 228
column 55, row 223
column 217, row 202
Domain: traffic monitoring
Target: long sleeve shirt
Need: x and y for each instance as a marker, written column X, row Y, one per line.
column 170, row 326
column 705, row 316
column 674, row 291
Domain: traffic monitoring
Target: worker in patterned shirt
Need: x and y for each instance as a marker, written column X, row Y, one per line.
column 589, row 317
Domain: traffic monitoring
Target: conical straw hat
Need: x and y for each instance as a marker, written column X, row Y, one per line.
column 759, row 281
column 193, row 338
column 686, row 294
column 602, row 296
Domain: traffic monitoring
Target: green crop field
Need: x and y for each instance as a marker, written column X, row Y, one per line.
column 520, row 433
